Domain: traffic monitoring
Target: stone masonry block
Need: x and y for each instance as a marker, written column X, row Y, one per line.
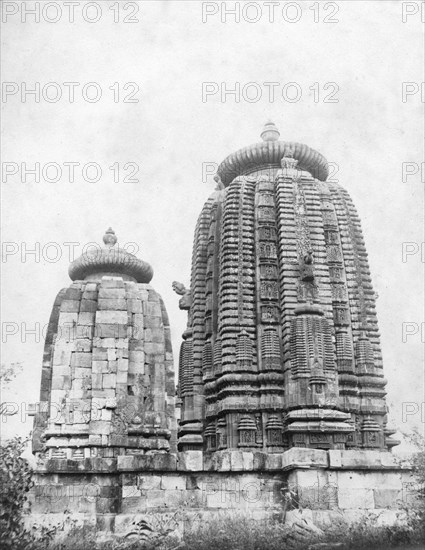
column 355, row 498
column 81, row 359
column 122, row 377
column 97, row 381
column 84, row 331
column 100, row 427
column 111, row 354
column 88, row 305
column 91, row 287
column 100, row 354
column 165, row 499
column 66, row 320
column 72, row 294
column 61, row 383
column 157, row 335
column 191, row 461
column 387, row 498
column 62, row 355
column 83, row 345
column 154, row 349
column 111, row 368
column 111, row 317
column 104, row 343
column 134, row 306
column 99, row 366
column 335, row 458
column 103, row 394
column 153, row 296
column 112, row 282
column 82, row 373
column 133, row 505
column 86, row 318
column 106, row 414
column 111, row 293
column 122, row 343
column 131, row 491
column 152, row 309
column 221, row 461
column 109, row 381
column 143, row 293
column 153, row 462
column 298, row 456
column 274, row 461
column 360, row 459
column 110, row 330
column 172, row 482
column 70, row 306
column 365, row 480
column 149, row 482
column 112, row 304
column 122, row 365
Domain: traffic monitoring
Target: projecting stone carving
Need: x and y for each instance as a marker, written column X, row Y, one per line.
column 307, row 274
column 186, row 301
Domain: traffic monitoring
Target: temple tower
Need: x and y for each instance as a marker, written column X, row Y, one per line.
column 107, row 384
column 282, row 345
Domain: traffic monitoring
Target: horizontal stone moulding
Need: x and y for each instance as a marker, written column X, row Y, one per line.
column 230, row 461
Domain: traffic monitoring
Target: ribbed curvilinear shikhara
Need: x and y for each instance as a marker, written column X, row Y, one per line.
column 282, row 344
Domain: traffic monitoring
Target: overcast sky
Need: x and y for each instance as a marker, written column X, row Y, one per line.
column 357, row 62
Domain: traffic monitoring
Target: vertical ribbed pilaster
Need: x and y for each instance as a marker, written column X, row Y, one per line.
column 365, row 333
column 288, row 265
column 268, row 304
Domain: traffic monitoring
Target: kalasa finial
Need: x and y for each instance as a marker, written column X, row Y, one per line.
column 111, row 260
column 109, row 238
column 270, row 132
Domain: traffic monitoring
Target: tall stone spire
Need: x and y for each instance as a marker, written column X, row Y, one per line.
column 282, row 345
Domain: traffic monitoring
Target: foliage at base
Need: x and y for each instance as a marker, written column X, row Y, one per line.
column 245, row 533
column 15, row 482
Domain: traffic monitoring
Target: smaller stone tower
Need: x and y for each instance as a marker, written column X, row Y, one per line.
column 107, row 385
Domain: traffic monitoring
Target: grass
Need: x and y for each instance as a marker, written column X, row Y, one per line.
column 245, row 533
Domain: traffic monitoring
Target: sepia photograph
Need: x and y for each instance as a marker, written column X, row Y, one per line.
column 212, row 268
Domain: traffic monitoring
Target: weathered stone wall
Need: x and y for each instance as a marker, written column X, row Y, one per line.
column 108, row 377
column 189, row 486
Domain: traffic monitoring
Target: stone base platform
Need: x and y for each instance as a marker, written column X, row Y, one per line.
column 184, row 488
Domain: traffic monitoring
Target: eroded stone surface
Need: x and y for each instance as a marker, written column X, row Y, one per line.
column 282, row 345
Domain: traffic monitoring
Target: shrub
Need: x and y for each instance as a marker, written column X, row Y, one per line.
column 15, row 482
